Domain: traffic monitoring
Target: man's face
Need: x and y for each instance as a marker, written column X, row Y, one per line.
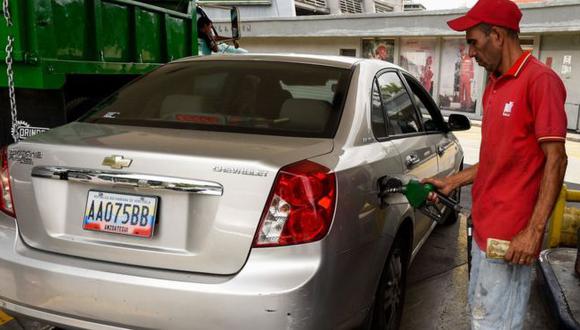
column 207, row 28
column 485, row 48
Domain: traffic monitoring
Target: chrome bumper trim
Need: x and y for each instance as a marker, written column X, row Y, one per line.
column 130, row 180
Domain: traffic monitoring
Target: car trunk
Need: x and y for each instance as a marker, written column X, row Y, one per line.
column 208, row 228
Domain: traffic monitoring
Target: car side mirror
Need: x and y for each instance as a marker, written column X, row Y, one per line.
column 234, row 14
column 458, row 122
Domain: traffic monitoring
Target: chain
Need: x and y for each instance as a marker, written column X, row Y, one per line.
column 11, row 93
column 6, row 10
column 10, row 71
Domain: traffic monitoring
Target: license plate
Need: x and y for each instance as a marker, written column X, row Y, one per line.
column 125, row 214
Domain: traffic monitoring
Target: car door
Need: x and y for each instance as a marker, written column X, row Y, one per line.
column 405, row 131
column 447, row 146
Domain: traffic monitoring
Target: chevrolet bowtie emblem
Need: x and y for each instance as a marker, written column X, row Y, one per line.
column 117, row 162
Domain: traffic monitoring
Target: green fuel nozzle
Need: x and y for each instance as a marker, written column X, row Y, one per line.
column 417, row 195
column 415, row 192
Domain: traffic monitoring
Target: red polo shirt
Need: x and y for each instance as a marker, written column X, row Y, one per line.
column 521, row 109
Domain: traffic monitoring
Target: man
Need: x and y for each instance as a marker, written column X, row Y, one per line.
column 522, row 163
column 465, row 79
column 427, row 75
column 208, row 41
column 382, row 53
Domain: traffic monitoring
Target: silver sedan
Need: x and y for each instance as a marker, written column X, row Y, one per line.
column 226, row 192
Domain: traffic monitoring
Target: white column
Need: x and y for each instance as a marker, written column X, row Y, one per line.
column 334, row 7
column 369, row 6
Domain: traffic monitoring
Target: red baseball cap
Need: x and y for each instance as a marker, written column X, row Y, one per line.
column 502, row 13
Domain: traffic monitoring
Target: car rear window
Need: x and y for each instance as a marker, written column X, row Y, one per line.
column 232, row 96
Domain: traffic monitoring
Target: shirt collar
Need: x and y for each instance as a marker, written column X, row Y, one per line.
column 518, row 66
column 515, row 70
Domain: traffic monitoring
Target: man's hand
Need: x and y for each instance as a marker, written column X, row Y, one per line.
column 524, row 247
column 446, row 185
column 443, row 185
column 526, row 243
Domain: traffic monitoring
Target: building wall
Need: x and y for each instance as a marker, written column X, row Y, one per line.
column 412, row 52
column 444, row 73
column 277, row 8
column 549, row 29
column 318, row 46
column 286, row 8
column 563, row 53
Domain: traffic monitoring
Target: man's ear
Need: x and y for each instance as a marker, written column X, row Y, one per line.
column 498, row 35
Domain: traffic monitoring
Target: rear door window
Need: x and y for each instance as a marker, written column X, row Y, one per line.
column 233, row 96
column 378, row 122
column 401, row 115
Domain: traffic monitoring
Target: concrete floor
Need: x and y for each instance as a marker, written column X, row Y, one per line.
column 437, row 284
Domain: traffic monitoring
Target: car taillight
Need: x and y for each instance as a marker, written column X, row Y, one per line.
column 6, row 205
column 300, row 207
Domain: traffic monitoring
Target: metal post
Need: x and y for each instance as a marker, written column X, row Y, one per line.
column 578, row 120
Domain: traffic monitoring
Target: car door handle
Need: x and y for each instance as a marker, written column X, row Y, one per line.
column 440, row 150
column 412, row 160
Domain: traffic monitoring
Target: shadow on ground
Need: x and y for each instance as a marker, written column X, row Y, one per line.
column 438, row 279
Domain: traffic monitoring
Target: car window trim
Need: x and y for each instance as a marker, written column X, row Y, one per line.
column 396, row 136
column 403, row 136
column 326, row 134
column 344, row 98
column 381, row 138
column 385, row 115
column 406, row 76
column 411, row 96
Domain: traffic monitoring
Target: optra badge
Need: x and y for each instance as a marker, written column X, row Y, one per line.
column 24, row 157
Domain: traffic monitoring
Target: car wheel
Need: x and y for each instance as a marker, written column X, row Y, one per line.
column 390, row 296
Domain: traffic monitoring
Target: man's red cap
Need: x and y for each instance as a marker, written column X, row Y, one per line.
column 502, row 13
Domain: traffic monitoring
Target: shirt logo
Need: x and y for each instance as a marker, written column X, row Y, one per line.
column 507, row 109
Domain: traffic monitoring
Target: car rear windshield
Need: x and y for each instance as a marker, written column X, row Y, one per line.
column 260, row 97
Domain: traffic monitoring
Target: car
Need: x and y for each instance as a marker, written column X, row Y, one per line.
column 226, row 192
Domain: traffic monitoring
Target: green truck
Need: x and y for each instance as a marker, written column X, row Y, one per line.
column 60, row 57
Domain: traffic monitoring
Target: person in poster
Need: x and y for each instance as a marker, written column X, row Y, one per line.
column 382, row 52
column 427, row 75
column 417, row 56
column 465, row 79
column 457, row 85
column 381, row 49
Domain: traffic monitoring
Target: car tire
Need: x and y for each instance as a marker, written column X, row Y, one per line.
column 387, row 310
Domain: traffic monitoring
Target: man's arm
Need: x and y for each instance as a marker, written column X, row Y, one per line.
column 452, row 182
column 525, row 245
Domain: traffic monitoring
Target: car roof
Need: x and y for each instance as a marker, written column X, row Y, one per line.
column 329, row 60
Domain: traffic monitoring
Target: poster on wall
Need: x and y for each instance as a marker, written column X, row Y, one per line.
column 418, row 57
column 566, row 66
column 457, row 84
column 381, row 49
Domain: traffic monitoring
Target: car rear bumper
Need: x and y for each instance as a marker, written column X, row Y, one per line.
column 277, row 288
